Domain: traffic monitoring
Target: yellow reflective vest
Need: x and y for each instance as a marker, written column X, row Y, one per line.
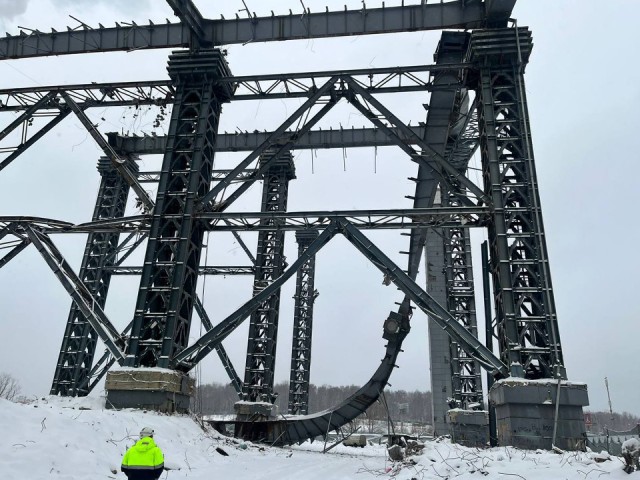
column 143, row 461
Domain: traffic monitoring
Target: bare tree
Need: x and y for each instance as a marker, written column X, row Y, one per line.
column 9, row 387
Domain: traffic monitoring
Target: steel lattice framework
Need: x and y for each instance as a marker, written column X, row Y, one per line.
column 486, row 63
column 270, row 263
column 305, row 297
column 169, row 277
column 527, row 322
column 79, row 343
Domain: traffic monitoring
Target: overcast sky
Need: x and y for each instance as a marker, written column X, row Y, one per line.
column 582, row 91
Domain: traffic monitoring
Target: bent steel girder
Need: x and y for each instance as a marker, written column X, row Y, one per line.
column 455, row 14
column 80, row 338
column 167, row 286
column 301, row 428
column 81, row 295
column 270, row 262
column 523, row 295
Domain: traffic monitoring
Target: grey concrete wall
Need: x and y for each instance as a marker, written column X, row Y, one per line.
column 439, row 352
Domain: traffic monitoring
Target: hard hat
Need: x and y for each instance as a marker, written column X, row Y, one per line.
column 146, row 432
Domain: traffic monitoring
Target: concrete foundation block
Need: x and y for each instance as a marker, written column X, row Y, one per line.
column 469, row 427
column 161, row 390
column 255, row 410
column 526, row 413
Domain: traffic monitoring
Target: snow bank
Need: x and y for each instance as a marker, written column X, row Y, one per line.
column 76, row 439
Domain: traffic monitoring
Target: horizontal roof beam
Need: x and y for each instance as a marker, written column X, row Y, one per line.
column 249, row 141
column 472, row 216
column 365, row 21
column 250, row 87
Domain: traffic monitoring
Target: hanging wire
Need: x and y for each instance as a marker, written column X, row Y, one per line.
column 198, row 366
column 375, row 159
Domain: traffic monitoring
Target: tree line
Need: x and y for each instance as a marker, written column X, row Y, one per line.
column 399, row 405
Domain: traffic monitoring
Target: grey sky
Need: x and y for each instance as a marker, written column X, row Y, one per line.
column 581, row 87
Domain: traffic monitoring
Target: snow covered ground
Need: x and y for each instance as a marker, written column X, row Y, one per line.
column 76, row 439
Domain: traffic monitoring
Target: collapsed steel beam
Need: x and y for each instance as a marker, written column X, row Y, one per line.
column 365, row 21
column 423, row 300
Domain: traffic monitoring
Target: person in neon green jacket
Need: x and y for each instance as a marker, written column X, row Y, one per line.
column 144, row 460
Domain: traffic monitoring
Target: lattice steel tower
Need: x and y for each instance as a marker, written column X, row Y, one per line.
column 477, row 102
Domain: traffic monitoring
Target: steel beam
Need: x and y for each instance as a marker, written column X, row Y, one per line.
column 192, row 18
column 249, row 141
column 14, row 252
column 79, row 292
column 119, row 163
column 222, row 353
column 189, row 357
column 118, row 94
column 161, row 93
column 27, row 114
column 209, row 270
column 271, row 142
column 365, row 21
column 251, row 221
column 37, row 136
column 447, row 173
column 423, row 300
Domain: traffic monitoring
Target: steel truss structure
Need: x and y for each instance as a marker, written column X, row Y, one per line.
column 193, row 198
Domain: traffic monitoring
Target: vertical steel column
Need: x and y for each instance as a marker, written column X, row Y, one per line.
column 466, row 382
column 446, row 110
column 168, row 285
column 79, row 342
column 305, row 297
column 523, row 294
column 270, row 263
